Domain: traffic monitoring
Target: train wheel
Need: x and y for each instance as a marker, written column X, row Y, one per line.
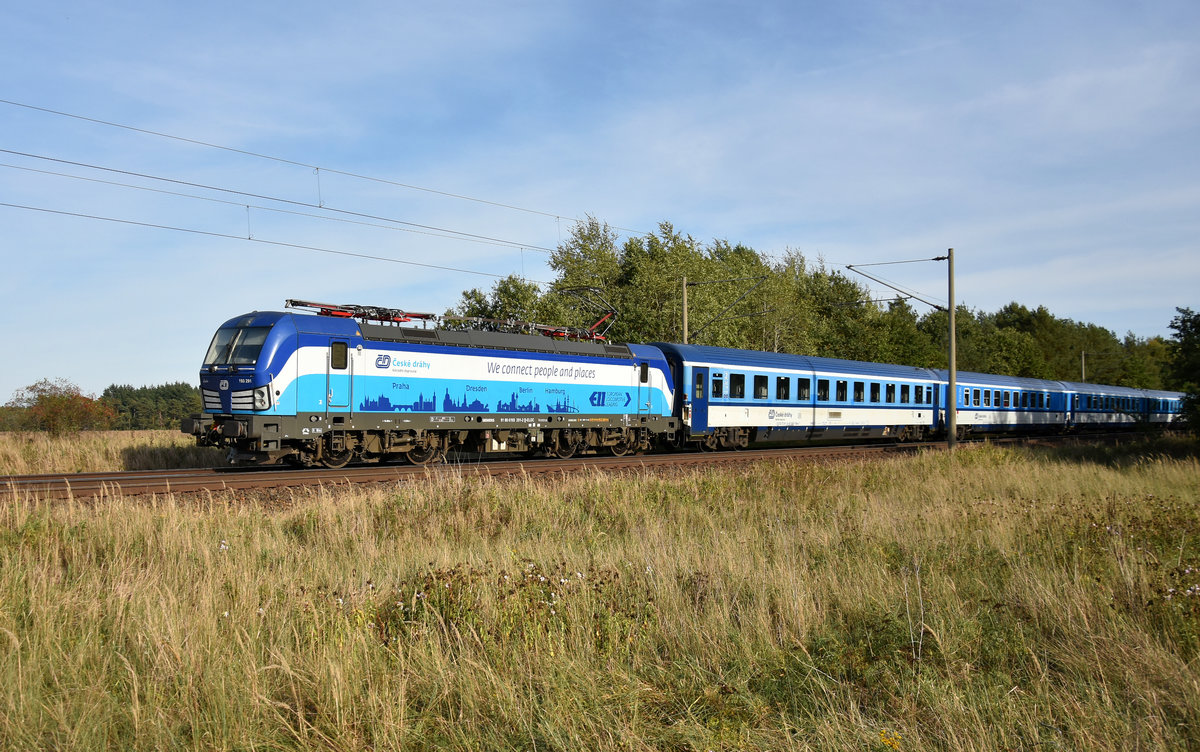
column 620, row 450
column 564, row 451
column 334, row 460
column 423, row 455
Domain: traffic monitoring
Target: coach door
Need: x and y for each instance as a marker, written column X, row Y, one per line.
column 338, row 376
column 699, row 399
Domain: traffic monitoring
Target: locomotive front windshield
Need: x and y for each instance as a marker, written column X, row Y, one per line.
column 236, row 346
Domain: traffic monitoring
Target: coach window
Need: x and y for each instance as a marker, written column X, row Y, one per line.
column 822, row 390
column 718, row 386
column 737, row 385
column 760, row 387
column 337, row 356
column 841, row 390
column 1024, row 399
column 889, row 393
column 783, row 388
column 905, row 394
column 804, row 389
column 860, row 391
column 874, row 392
column 921, row 393
column 1007, row 396
column 987, row 398
column 975, row 398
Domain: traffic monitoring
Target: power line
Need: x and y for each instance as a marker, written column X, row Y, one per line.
column 148, row 189
column 291, row 202
column 897, row 288
column 893, row 263
column 316, row 168
column 297, row 246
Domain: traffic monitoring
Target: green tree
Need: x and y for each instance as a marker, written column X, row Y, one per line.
column 511, row 299
column 737, row 298
column 1185, row 362
column 903, row 342
column 151, row 407
column 1145, row 363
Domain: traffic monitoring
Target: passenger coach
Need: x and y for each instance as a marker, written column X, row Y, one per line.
column 730, row 398
column 996, row 404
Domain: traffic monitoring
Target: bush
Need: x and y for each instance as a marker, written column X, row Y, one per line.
column 56, row 406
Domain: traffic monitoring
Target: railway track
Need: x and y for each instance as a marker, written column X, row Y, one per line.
column 99, row 486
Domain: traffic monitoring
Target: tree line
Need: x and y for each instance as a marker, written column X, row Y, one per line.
column 59, row 406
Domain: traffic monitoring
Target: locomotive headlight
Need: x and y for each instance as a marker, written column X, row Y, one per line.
column 262, row 398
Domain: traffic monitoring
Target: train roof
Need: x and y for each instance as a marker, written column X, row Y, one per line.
column 335, row 326
column 975, row 378
column 1119, row 391
column 751, row 359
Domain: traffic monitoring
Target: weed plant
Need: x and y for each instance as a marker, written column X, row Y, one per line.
column 989, row 599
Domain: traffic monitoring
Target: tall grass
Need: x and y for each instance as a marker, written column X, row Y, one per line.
column 993, row 599
column 38, row 452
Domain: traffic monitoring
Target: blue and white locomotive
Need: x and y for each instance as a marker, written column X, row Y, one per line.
column 356, row 383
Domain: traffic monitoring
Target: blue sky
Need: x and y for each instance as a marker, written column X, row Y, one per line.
column 1055, row 146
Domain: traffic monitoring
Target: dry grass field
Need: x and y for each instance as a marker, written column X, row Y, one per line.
column 37, row 452
column 992, row 599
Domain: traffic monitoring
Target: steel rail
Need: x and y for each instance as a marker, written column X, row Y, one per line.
column 98, row 486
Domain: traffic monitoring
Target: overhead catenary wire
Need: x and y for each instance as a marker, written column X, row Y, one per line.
column 911, row 294
column 298, row 246
column 316, row 168
column 276, row 210
column 290, row 202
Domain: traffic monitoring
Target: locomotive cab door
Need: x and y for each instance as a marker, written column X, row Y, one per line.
column 644, row 395
column 338, row 375
column 698, row 390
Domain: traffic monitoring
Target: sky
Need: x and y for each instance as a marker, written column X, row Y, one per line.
column 167, row 166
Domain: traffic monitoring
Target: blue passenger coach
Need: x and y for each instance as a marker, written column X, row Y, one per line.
column 1096, row 406
column 991, row 404
column 730, row 398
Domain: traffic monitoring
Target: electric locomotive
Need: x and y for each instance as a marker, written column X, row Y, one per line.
column 369, row 384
